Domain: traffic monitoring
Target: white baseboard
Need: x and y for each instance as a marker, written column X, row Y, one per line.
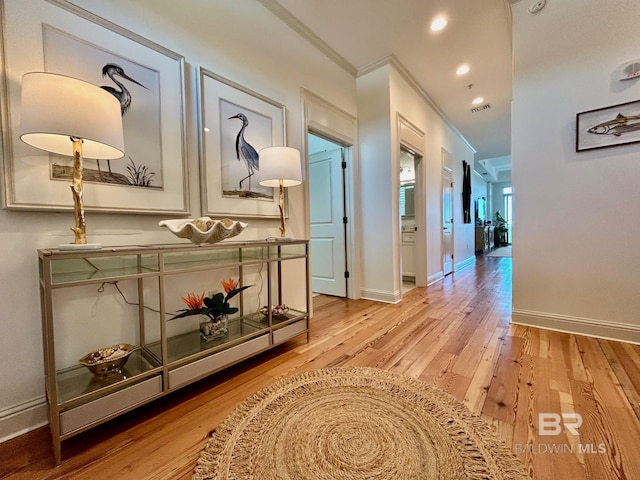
column 621, row 332
column 380, row 295
column 456, row 267
column 436, row 277
column 464, row 263
column 19, row 419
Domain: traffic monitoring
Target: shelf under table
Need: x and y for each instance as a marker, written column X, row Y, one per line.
column 78, row 380
column 260, row 320
column 68, row 271
column 190, row 343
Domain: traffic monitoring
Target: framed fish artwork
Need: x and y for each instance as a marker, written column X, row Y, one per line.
column 608, row 127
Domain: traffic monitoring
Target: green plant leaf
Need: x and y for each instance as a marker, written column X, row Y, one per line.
column 187, row 313
column 215, row 300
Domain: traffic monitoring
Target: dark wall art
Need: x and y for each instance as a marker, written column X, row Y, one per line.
column 466, row 192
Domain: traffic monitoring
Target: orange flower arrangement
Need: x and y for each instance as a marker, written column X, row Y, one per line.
column 214, row 306
column 229, row 284
column 193, row 301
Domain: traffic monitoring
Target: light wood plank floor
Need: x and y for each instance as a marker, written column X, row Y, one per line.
column 455, row 335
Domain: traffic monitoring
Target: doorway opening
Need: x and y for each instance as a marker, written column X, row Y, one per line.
column 328, row 218
column 409, row 215
column 447, row 221
column 507, row 200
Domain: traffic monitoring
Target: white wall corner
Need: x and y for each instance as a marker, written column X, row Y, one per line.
column 22, row 418
column 621, row 332
column 381, row 295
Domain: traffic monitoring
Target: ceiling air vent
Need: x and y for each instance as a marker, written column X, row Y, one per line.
column 480, row 108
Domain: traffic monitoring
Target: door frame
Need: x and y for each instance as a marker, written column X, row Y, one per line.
column 447, row 171
column 412, row 139
column 324, row 119
column 446, row 158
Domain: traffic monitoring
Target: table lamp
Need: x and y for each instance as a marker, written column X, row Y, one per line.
column 67, row 116
column 280, row 167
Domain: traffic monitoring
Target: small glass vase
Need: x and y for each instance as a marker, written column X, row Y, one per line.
column 212, row 329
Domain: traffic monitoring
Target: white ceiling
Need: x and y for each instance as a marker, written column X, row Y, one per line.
column 364, row 32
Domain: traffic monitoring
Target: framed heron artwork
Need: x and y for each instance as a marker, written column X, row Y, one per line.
column 235, row 124
column 609, row 126
column 145, row 78
column 139, row 107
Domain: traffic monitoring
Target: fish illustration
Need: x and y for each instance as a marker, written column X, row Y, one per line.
column 619, row 125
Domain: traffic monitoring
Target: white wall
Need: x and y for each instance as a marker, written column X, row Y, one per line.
column 377, row 189
column 383, row 94
column 576, row 265
column 264, row 55
column 406, row 101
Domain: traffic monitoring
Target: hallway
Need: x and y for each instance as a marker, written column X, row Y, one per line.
column 454, row 334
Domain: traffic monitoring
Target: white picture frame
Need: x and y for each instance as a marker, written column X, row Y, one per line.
column 29, row 44
column 224, row 190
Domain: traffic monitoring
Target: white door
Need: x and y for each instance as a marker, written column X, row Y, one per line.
column 328, row 253
column 447, row 222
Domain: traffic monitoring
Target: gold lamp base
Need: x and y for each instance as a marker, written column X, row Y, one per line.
column 80, row 228
column 282, row 237
column 281, row 207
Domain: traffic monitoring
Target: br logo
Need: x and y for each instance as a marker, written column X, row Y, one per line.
column 551, row 424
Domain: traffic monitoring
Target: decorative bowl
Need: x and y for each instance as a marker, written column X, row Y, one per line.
column 108, row 360
column 276, row 310
column 204, row 229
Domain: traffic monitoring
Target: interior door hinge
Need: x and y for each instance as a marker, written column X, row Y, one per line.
column 345, row 220
column 346, row 274
column 344, row 165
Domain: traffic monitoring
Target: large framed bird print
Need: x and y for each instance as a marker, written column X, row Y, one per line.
column 145, row 78
column 235, row 124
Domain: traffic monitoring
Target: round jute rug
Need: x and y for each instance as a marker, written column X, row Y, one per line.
column 351, row 424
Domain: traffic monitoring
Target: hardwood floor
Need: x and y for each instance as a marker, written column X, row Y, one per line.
column 454, row 334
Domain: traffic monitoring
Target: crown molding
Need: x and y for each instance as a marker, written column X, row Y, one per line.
column 392, row 61
column 296, row 25
column 289, row 19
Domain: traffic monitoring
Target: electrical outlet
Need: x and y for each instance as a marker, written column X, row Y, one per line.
column 535, row 7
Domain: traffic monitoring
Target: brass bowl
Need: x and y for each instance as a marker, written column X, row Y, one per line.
column 109, row 360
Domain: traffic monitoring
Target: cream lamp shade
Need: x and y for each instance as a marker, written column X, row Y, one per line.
column 280, row 164
column 56, row 107
column 67, row 116
column 280, row 167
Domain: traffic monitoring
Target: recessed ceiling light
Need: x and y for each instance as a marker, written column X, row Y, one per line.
column 477, row 100
column 462, row 69
column 438, row 24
